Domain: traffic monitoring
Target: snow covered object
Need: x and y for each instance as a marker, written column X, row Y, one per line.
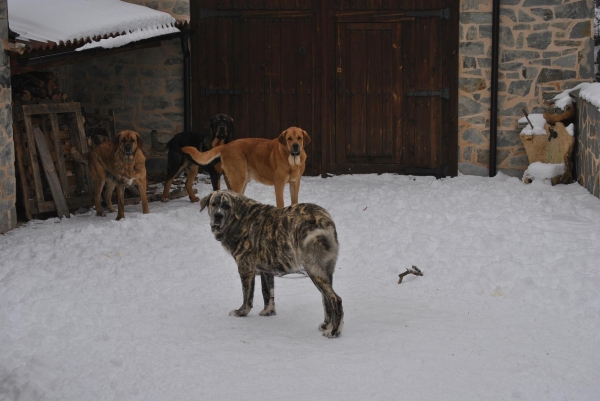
column 548, row 148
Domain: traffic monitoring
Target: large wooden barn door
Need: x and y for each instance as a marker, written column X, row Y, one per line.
column 255, row 62
column 392, row 93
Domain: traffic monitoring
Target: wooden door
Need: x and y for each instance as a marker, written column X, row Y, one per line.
column 256, row 63
column 392, row 101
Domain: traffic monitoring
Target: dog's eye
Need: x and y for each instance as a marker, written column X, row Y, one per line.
column 225, row 206
column 214, row 204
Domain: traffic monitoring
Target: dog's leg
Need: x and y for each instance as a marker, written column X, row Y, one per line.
column 99, row 180
column 142, row 187
column 294, row 191
column 279, row 186
column 333, row 324
column 247, row 276
column 121, row 201
column 191, row 172
column 214, row 179
column 267, row 282
column 166, row 196
column 108, row 191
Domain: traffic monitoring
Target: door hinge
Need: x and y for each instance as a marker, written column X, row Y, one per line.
column 442, row 13
column 204, row 14
column 444, row 93
column 204, row 91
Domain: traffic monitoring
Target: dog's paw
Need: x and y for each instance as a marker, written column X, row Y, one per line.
column 194, row 199
column 267, row 312
column 100, row 214
column 112, row 209
column 329, row 333
column 165, row 199
column 238, row 313
column 324, row 326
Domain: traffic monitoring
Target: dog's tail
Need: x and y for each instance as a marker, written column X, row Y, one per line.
column 322, row 246
column 77, row 156
column 202, row 158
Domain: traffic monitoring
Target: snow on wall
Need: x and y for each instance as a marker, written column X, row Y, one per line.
column 64, row 20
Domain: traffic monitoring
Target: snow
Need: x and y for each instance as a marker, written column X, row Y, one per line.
column 508, row 307
column 591, row 93
column 562, row 100
column 64, row 20
column 538, row 122
column 544, row 172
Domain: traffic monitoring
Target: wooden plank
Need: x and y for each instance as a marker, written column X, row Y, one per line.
column 342, row 94
column 408, row 78
column 60, row 160
column 289, row 51
column 387, row 85
column 33, row 159
column 255, row 105
column 374, row 105
column 49, row 108
column 22, row 172
column 51, row 176
column 358, row 87
column 273, row 79
column 396, row 94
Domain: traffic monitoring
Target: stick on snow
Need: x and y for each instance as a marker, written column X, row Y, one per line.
column 414, row 270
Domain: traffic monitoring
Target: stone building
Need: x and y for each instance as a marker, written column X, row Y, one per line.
column 546, row 46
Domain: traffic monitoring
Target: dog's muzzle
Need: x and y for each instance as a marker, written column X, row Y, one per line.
column 128, row 150
column 222, row 130
column 295, row 150
column 217, row 220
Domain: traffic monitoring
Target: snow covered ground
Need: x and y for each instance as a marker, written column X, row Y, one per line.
column 508, row 307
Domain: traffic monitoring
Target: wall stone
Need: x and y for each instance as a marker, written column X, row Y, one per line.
column 143, row 87
column 8, row 213
column 587, row 147
column 545, row 47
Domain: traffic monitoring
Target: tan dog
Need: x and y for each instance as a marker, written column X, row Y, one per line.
column 119, row 163
column 272, row 162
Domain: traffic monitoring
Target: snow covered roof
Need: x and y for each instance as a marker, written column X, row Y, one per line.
column 91, row 23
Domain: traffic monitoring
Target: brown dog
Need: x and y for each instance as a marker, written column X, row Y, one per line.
column 118, row 163
column 272, row 162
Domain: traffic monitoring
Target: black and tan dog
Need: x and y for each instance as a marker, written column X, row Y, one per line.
column 118, row 163
column 269, row 240
column 272, row 162
column 221, row 131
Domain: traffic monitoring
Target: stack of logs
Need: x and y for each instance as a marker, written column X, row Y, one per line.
column 33, row 87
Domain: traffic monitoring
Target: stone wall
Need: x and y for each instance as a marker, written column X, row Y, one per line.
column 143, row 87
column 8, row 214
column 587, row 147
column 546, row 46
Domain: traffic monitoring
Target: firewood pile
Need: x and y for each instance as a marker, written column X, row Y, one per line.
column 35, row 87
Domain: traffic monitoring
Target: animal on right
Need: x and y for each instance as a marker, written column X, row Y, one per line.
column 271, row 241
column 273, row 162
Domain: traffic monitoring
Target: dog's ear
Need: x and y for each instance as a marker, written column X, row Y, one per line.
column 140, row 141
column 230, row 129
column 210, row 124
column 282, row 138
column 117, row 139
column 239, row 207
column 306, row 139
column 204, row 201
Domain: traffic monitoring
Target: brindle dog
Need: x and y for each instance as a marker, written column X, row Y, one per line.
column 273, row 241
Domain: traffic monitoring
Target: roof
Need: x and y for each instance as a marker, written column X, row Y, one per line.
column 62, row 25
